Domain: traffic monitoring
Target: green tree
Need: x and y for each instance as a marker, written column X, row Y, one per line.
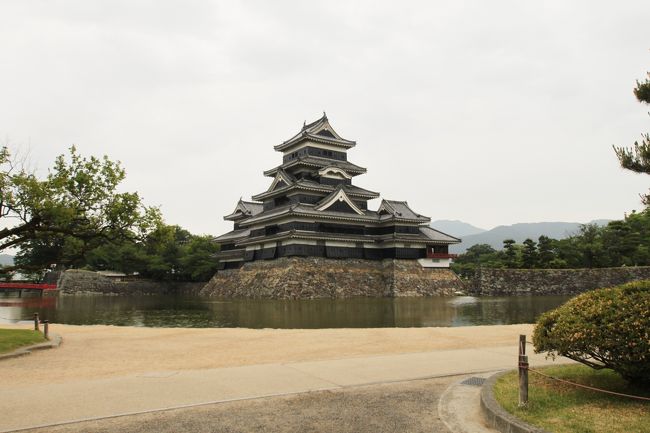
column 45, row 250
column 167, row 253
column 529, row 254
column 590, row 246
column 545, row 252
column 126, row 256
column 165, row 248
column 173, row 253
column 70, row 212
column 568, row 252
column 5, row 275
column 637, row 157
column 477, row 255
column 199, row 263
column 510, row 253
column 639, row 223
column 620, row 242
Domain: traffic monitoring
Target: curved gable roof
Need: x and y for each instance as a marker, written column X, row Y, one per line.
column 245, row 209
column 320, row 131
column 400, row 209
column 337, row 196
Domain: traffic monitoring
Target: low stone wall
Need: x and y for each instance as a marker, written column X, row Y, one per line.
column 411, row 279
column 312, row 277
column 75, row 281
column 504, row 282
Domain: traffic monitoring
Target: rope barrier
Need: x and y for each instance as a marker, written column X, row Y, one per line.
column 585, row 386
column 638, row 397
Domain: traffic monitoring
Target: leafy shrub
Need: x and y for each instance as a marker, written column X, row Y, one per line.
column 604, row 328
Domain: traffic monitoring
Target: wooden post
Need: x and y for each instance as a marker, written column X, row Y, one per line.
column 523, row 372
column 46, row 329
column 36, row 322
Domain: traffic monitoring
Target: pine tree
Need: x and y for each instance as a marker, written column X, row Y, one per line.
column 510, row 253
column 637, row 157
column 545, row 252
column 529, row 254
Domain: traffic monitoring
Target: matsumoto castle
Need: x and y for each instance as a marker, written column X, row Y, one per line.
column 312, row 209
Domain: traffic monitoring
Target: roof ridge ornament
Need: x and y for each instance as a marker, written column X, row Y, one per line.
column 333, row 171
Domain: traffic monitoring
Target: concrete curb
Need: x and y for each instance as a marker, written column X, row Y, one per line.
column 459, row 408
column 54, row 342
column 497, row 417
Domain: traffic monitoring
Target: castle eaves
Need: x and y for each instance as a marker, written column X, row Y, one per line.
column 317, row 163
column 311, row 186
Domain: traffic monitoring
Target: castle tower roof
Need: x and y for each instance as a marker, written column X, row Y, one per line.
column 319, row 131
column 244, row 209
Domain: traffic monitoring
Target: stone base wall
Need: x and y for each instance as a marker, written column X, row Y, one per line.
column 313, row 277
column 76, row 281
column 411, row 279
column 503, row 282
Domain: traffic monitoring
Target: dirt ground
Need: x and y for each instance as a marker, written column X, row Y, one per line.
column 396, row 407
column 90, row 352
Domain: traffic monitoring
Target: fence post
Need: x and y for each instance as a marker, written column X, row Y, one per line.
column 523, row 372
column 46, row 329
column 36, row 322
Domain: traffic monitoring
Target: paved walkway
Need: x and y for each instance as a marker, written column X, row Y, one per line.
column 31, row 406
column 394, row 407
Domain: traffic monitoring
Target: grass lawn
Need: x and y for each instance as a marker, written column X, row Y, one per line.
column 560, row 408
column 11, row 339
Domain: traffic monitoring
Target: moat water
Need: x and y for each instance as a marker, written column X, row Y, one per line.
column 197, row 312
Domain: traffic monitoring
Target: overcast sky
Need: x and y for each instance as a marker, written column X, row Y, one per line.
column 489, row 112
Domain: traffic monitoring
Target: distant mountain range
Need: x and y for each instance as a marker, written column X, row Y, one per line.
column 456, row 228
column 472, row 235
column 6, row 260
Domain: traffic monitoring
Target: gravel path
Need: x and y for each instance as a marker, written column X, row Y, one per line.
column 94, row 352
column 397, row 407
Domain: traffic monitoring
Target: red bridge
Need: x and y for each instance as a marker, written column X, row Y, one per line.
column 27, row 286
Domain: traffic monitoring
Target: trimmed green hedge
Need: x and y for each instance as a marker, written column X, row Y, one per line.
column 604, row 328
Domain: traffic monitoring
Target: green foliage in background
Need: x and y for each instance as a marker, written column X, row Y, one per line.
column 604, row 328
column 76, row 218
column 620, row 243
column 168, row 253
column 71, row 211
